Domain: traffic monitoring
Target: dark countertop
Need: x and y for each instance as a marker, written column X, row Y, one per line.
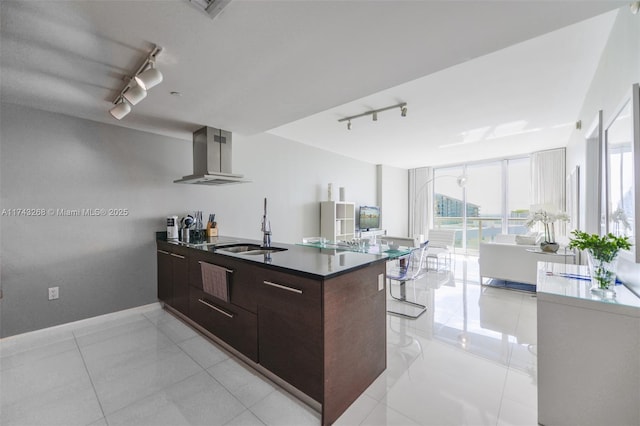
column 315, row 262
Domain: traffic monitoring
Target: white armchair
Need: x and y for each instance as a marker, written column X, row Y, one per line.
column 441, row 242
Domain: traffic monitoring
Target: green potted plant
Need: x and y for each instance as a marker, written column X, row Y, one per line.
column 602, row 255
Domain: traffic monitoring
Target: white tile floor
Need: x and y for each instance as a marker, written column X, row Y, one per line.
column 469, row 360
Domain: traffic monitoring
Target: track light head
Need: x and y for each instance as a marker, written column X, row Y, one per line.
column 135, row 94
column 349, row 125
column 403, row 111
column 121, row 109
column 375, row 116
column 149, row 78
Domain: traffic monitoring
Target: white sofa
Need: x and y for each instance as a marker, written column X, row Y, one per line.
column 401, row 241
column 510, row 258
column 509, row 262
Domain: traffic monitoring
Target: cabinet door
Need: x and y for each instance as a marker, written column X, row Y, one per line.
column 242, row 281
column 230, row 323
column 165, row 276
column 290, row 330
column 180, row 283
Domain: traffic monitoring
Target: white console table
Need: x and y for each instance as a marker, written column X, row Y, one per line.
column 588, row 351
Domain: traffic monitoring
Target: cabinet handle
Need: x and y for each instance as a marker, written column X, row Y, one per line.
column 283, row 287
column 176, row 255
column 215, row 308
column 163, row 252
column 228, row 270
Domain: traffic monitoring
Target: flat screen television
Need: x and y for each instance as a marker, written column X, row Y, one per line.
column 369, row 218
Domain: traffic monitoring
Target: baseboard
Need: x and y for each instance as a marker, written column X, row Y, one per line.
column 74, row 325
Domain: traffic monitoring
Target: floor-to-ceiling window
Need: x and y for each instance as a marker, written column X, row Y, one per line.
column 494, row 199
column 448, row 201
column 518, row 195
column 485, row 201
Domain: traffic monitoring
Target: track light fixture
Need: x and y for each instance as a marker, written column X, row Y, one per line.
column 374, row 113
column 146, row 77
column 212, row 7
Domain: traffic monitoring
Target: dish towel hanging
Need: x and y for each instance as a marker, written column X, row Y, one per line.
column 214, row 280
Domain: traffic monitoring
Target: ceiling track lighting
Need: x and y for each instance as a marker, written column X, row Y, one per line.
column 146, row 77
column 374, row 113
column 211, row 7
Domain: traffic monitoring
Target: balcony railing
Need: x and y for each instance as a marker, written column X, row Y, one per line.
column 478, row 229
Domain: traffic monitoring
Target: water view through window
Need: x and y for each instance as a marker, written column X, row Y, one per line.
column 495, row 200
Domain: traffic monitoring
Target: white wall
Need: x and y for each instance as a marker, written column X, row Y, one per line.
column 107, row 263
column 393, row 190
column 619, row 68
column 294, row 177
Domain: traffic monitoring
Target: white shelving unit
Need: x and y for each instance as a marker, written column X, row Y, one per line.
column 337, row 220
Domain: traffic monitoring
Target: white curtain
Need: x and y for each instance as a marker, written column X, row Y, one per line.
column 548, row 183
column 420, row 201
column 548, row 179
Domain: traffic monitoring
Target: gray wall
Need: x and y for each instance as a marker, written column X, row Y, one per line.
column 619, row 68
column 107, row 263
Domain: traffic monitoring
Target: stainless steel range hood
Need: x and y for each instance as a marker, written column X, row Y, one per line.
column 211, row 159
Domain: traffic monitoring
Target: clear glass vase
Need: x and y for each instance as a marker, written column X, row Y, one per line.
column 603, row 275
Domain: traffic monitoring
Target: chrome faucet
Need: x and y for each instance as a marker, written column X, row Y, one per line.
column 266, row 227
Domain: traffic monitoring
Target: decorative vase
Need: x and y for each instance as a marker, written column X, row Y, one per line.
column 549, row 247
column 603, row 275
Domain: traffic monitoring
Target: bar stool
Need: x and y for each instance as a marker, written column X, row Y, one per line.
column 411, row 268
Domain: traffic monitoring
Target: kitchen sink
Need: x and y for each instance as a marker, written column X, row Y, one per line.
column 250, row 249
column 265, row 250
column 239, row 248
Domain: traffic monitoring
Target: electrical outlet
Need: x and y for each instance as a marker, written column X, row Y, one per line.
column 54, row 293
column 380, row 282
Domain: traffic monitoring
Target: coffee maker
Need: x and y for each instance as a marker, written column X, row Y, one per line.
column 172, row 227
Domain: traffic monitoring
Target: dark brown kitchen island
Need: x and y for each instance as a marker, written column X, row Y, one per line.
column 311, row 319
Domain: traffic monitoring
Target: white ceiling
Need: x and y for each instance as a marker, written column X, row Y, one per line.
column 517, row 100
column 488, row 68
